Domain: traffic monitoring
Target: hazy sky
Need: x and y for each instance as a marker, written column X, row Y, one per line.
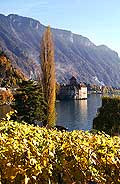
column 99, row 20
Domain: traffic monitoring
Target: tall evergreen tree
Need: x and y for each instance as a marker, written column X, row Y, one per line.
column 29, row 103
column 48, row 75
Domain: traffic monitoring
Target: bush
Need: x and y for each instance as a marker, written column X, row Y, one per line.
column 32, row 155
column 108, row 118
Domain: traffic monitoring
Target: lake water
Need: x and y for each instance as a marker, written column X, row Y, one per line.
column 78, row 114
column 73, row 114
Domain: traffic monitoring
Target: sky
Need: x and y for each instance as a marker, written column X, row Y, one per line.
column 99, row 20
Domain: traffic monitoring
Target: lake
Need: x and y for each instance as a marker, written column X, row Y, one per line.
column 78, row 114
column 73, row 114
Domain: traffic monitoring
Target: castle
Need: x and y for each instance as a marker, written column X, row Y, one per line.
column 73, row 90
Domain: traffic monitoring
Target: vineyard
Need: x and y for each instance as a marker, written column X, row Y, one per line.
column 34, row 155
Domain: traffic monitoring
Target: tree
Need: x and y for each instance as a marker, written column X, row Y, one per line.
column 48, row 75
column 108, row 118
column 29, row 103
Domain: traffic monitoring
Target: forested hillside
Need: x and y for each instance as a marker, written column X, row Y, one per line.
column 9, row 76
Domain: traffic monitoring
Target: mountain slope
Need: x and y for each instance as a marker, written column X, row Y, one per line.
column 74, row 54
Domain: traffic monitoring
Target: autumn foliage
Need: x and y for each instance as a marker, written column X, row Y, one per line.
column 9, row 75
column 34, row 155
column 6, row 97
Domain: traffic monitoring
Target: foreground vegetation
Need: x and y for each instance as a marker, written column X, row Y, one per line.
column 38, row 155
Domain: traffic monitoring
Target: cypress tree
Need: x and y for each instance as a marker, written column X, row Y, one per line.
column 48, row 75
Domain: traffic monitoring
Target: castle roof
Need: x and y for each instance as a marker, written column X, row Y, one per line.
column 73, row 78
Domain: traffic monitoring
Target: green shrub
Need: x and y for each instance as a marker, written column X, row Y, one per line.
column 108, row 118
column 32, row 155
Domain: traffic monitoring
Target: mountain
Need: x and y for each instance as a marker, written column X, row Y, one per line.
column 9, row 76
column 74, row 54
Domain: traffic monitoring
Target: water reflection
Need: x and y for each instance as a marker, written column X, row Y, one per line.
column 78, row 114
column 83, row 109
